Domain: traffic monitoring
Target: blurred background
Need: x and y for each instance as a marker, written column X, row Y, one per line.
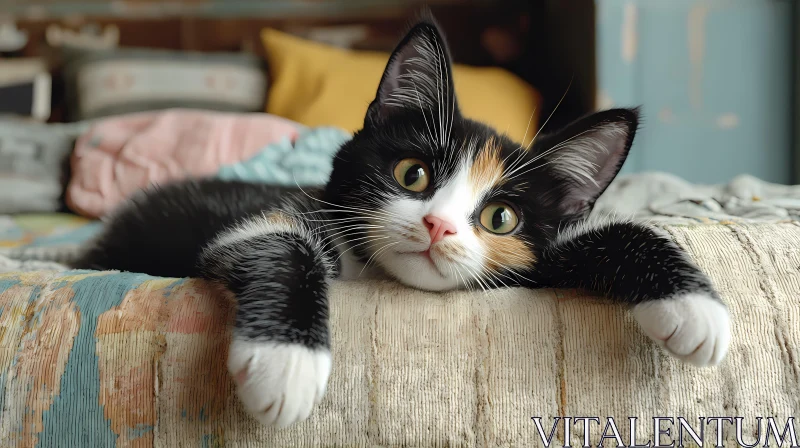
column 717, row 79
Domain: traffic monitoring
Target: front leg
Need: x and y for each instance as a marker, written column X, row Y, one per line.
column 673, row 301
column 280, row 355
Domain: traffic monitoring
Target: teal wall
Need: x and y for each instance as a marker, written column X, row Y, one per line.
column 713, row 77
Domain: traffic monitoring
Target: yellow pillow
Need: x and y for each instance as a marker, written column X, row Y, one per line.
column 317, row 84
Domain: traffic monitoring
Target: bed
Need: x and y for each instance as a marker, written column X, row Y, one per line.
column 124, row 359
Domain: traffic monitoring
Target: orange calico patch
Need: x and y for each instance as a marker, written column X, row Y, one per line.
column 280, row 218
column 487, row 170
column 505, row 251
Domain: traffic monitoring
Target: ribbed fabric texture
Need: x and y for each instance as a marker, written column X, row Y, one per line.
column 110, row 359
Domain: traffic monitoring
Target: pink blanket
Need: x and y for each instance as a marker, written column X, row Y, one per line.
column 118, row 156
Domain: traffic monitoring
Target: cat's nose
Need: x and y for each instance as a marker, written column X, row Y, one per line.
column 438, row 228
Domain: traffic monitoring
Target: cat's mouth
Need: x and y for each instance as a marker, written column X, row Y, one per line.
column 425, row 255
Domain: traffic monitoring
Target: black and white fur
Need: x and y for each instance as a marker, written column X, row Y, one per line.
column 277, row 249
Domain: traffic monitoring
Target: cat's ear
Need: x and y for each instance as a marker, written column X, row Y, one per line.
column 418, row 76
column 586, row 156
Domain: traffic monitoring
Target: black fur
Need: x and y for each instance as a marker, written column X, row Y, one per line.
column 280, row 280
column 281, row 283
column 163, row 231
column 625, row 261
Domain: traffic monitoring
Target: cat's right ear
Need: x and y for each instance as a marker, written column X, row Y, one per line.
column 587, row 155
column 419, row 76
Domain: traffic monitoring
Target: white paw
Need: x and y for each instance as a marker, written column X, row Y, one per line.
column 694, row 327
column 278, row 383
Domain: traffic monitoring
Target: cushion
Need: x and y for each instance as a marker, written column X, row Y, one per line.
column 120, row 155
column 103, row 359
column 33, row 158
column 116, row 81
column 317, row 84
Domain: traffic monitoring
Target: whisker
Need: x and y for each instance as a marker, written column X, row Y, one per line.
column 522, row 143
column 552, row 113
column 351, row 229
column 510, row 269
column 528, row 127
column 495, row 275
column 433, row 140
column 375, row 254
column 484, row 280
column 463, row 280
column 555, row 148
column 476, row 279
column 340, row 206
column 368, row 238
column 326, row 211
column 341, row 254
column 357, row 215
column 530, row 144
column 349, row 222
column 450, row 98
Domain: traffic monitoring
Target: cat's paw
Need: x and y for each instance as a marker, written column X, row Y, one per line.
column 694, row 327
column 278, row 383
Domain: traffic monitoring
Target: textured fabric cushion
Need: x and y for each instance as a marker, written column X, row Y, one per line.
column 110, row 359
column 318, row 85
column 308, row 160
column 116, row 81
column 120, row 155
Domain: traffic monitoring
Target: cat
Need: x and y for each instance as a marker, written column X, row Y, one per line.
column 429, row 198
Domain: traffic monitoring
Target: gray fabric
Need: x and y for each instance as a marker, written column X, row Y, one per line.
column 32, row 159
column 669, row 199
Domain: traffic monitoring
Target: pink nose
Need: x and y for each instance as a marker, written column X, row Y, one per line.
column 438, row 228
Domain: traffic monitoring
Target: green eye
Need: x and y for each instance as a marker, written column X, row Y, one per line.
column 499, row 218
column 412, row 174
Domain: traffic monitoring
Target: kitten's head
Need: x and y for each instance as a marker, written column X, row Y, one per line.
column 440, row 201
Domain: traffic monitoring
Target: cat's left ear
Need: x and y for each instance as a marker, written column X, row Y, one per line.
column 419, row 76
column 586, row 156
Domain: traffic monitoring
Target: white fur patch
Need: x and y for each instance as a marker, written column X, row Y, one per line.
column 454, row 202
column 253, row 228
column 279, row 383
column 693, row 327
column 596, row 222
